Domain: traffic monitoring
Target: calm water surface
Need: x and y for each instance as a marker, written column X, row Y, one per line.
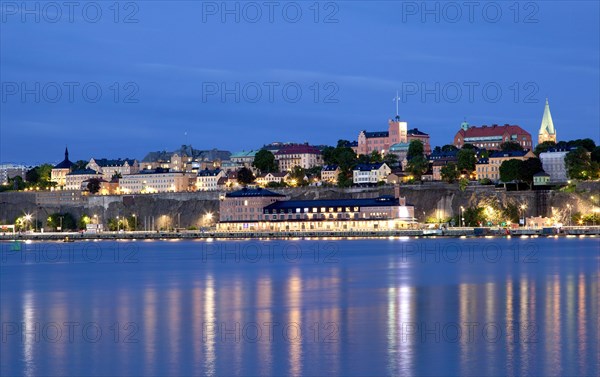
column 309, row 307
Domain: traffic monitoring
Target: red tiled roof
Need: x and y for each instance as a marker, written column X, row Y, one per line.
column 495, row 130
column 298, row 149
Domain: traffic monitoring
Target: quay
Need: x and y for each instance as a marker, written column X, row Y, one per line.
column 214, row 234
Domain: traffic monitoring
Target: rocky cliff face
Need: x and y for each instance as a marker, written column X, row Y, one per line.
column 437, row 201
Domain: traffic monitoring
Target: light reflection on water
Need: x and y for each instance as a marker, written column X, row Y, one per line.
column 372, row 310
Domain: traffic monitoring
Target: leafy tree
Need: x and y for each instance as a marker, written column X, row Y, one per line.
column 544, row 147
column 32, row 175
column 116, row 176
column 94, row 185
column 450, row 148
column 587, row 143
column 474, row 216
column 579, row 164
column 68, row 221
column 364, row 159
column 509, row 146
column 437, row 149
column 463, row 183
column 468, row 146
column 415, row 149
column 390, row 159
column 466, row 160
column 510, row 170
column 343, row 143
column 529, row 168
column 297, row 175
column 375, row 157
column 265, row 161
column 79, row 165
column 450, row 172
column 344, row 179
column 40, row 176
column 417, row 166
column 245, row 176
column 328, row 154
column 596, row 155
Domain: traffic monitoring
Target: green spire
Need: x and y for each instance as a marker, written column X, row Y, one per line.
column 547, row 126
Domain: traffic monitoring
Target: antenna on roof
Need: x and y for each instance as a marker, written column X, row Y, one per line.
column 397, row 100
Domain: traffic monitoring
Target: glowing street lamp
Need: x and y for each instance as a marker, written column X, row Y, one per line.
column 462, row 216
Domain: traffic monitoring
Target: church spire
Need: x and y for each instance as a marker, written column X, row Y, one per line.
column 66, row 153
column 547, row 130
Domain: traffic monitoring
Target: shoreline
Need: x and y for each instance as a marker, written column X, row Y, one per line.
column 565, row 232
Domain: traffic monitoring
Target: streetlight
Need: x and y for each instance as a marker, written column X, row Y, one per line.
column 523, row 207
column 28, row 219
column 134, row 221
column 117, row 223
column 462, row 216
column 569, row 207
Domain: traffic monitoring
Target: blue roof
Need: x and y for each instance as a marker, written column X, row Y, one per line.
column 103, row 162
column 208, row 173
column 329, row 168
column 416, row 132
column 498, row 154
column 382, row 201
column 258, row 192
column 376, row 134
column 443, row 154
column 368, row 167
column 83, row 172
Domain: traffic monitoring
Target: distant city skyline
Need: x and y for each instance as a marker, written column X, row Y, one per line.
column 195, row 75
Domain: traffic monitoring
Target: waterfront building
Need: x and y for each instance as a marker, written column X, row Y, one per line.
column 207, row 180
column 74, row 180
column 246, row 205
column 155, row 181
column 8, row 171
column 491, row 137
column 110, row 168
column 244, row 158
column 277, row 177
column 302, row 155
column 370, row 173
column 547, row 131
column 330, row 173
column 553, row 162
column 272, row 211
column 59, row 172
column 490, row 167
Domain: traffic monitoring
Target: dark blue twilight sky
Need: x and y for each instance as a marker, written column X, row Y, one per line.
column 172, row 65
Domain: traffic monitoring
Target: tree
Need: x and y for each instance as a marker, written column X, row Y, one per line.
column 474, row 216
column 67, row 221
column 544, row 147
column 265, row 161
column 390, row 159
column 450, row 148
column 79, row 165
column 579, row 164
column 328, row 154
column 297, row 176
column 417, row 166
column 415, row 148
column 596, row 155
column 529, row 168
column 587, row 143
column 245, row 176
column 450, row 172
column 375, row 157
column 509, row 146
column 510, row 170
column 94, row 185
column 466, row 160
column 468, row 146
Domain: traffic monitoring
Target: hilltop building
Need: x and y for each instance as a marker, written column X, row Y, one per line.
column 547, row 131
column 490, row 167
column 59, row 172
column 109, row 168
column 490, row 137
column 302, row 155
column 382, row 141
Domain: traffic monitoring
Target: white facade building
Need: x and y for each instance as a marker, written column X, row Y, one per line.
column 151, row 182
column 370, row 173
column 553, row 163
column 207, row 179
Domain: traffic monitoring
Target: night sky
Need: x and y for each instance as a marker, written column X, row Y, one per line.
column 119, row 81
